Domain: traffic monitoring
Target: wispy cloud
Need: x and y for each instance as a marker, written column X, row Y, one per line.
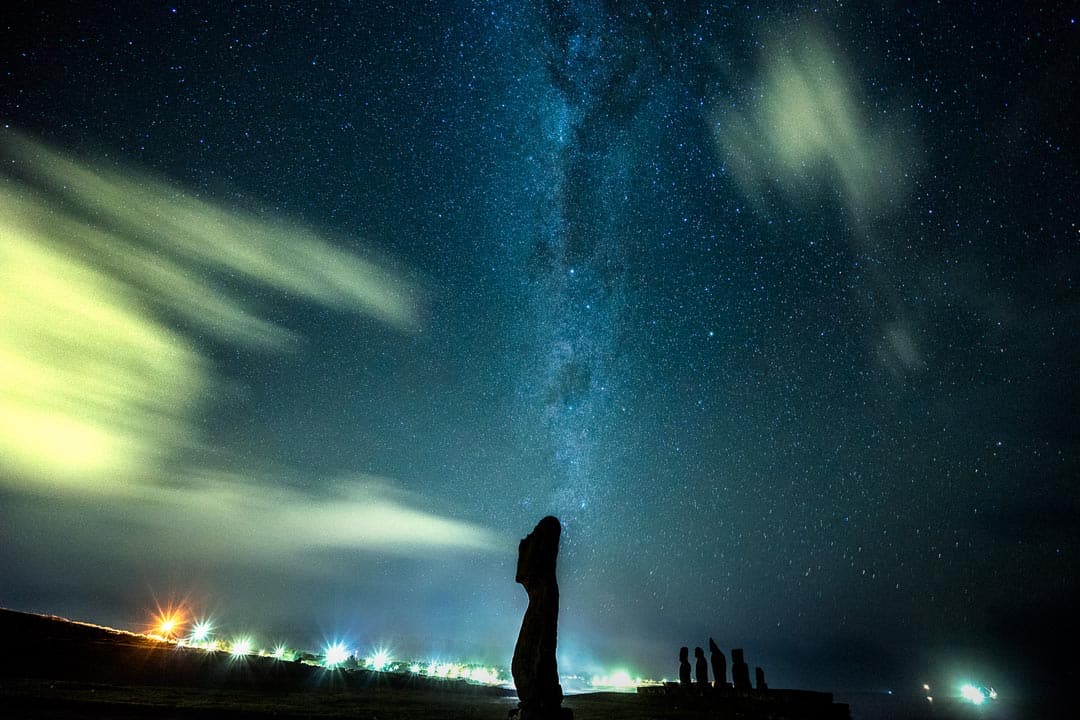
column 106, row 280
column 93, row 388
column 812, row 134
column 808, row 126
column 259, row 517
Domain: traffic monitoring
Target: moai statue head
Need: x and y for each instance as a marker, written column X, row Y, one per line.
column 537, row 553
column 684, row 654
column 740, row 671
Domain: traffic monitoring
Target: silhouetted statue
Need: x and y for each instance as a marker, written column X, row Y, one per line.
column 701, row 668
column 684, row 666
column 759, row 679
column 740, row 671
column 536, row 674
column 719, row 666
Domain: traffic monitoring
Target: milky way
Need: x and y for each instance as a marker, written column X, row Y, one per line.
column 575, row 267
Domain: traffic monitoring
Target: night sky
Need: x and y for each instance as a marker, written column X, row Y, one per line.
column 309, row 312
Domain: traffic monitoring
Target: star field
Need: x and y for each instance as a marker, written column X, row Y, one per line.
column 775, row 306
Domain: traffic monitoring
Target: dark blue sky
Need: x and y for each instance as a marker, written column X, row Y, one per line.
column 775, row 307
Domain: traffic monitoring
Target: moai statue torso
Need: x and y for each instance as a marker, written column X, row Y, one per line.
column 701, row 667
column 719, row 666
column 759, row 678
column 740, row 671
column 684, row 666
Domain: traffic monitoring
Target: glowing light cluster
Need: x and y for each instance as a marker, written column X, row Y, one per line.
column 486, row 676
column 460, row 671
column 167, row 625
column 619, row 680
column 977, row 694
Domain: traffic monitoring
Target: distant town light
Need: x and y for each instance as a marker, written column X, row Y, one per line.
column 336, row 654
column 379, row 660
column 201, row 631
column 168, row 624
column 488, row 676
column 241, row 646
column 619, row 679
column 972, row 694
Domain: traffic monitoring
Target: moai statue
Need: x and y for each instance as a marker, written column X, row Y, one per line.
column 536, row 674
column 759, row 678
column 719, row 666
column 684, row 667
column 740, row 671
column 701, row 667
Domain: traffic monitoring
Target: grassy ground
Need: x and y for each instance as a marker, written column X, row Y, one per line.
column 51, row 668
column 67, row 699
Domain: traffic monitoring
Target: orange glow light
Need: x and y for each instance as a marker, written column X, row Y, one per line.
column 168, row 623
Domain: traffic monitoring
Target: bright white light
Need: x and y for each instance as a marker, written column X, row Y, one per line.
column 972, row 694
column 620, row 679
column 414, row 669
column 241, row 646
column 379, row 660
column 279, row 652
column 336, row 654
column 201, row 631
column 488, row 676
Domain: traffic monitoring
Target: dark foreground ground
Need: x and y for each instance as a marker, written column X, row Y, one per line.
column 53, row 668
column 69, row 699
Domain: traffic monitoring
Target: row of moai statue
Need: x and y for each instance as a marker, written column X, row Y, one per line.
column 740, row 671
